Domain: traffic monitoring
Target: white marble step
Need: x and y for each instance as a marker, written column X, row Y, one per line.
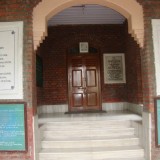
column 118, row 116
column 124, row 159
column 91, row 123
column 94, row 132
column 90, row 137
column 92, row 153
column 90, row 142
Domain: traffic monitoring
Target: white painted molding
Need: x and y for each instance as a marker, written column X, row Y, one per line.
column 135, row 108
column 119, row 106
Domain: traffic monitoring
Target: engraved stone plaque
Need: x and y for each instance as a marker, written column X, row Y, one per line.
column 114, row 68
column 11, row 46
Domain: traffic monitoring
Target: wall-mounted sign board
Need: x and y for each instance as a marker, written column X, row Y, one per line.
column 83, row 47
column 114, row 68
column 156, row 47
column 11, row 64
column 157, row 120
column 12, row 127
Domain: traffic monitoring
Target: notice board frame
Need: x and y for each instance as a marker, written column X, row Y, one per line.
column 24, row 104
column 157, row 120
column 111, row 69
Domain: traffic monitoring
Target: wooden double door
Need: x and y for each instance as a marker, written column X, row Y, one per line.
column 84, row 82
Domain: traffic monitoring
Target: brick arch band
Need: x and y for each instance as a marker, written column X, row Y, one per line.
column 131, row 10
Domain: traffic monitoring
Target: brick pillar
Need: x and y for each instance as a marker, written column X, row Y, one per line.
column 21, row 10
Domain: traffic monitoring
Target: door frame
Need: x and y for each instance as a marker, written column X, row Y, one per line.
column 99, row 82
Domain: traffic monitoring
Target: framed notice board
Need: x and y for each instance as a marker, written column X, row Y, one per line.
column 157, row 120
column 12, row 127
column 114, row 68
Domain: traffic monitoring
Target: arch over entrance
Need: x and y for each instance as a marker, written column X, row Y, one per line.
column 132, row 10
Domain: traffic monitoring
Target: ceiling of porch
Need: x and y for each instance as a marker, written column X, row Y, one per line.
column 87, row 14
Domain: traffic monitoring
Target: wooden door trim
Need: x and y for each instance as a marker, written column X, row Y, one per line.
column 70, row 103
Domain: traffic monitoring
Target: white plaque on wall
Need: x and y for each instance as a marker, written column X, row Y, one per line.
column 11, row 66
column 114, row 68
column 83, row 47
column 156, row 44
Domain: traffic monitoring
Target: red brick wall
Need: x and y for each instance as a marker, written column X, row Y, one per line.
column 13, row 10
column 133, row 70
column 151, row 11
column 18, row 10
column 106, row 38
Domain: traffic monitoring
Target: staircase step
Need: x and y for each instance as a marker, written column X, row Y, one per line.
column 91, row 123
column 89, row 138
column 115, row 116
column 71, row 133
column 92, row 153
column 90, row 142
column 124, row 159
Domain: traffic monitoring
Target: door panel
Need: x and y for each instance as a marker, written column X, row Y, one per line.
column 76, row 78
column 91, row 99
column 77, row 99
column 76, row 86
column 84, row 83
column 91, row 78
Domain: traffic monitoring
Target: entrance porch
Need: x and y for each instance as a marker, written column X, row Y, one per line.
column 115, row 135
column 120, row 133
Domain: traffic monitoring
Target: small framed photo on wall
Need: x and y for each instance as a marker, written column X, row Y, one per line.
column 114, row 68
column 83, row 47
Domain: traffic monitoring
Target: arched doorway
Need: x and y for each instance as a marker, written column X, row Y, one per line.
column 132, row 10
column 137, row 33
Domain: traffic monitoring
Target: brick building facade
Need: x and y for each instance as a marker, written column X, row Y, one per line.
column 106, row 38
column 22, row 10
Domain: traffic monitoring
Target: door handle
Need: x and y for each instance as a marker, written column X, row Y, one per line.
column 81, row 88
column 85, row 90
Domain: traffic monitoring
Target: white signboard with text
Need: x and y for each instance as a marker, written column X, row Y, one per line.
column 156, row 44
column 114, row 68
column 11, row 66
